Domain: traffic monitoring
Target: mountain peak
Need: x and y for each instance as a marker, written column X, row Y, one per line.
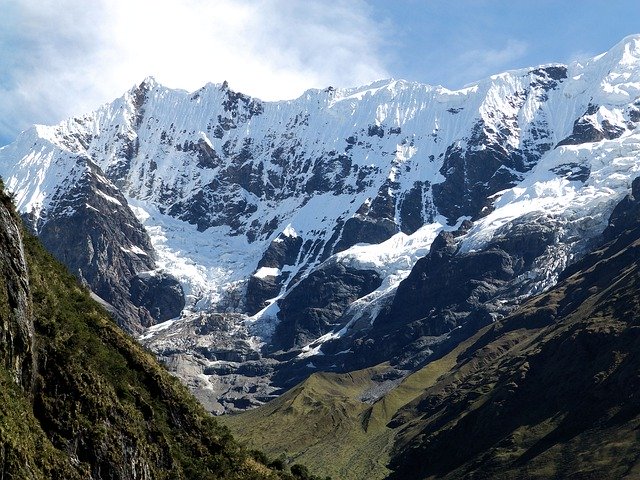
column 217, row 178
column 625, row 53
column 630, row 50
column 149, row 82
column 630, row 41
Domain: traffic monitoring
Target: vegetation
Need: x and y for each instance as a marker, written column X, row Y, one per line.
column 323, row 423
column 549, row 392
column 101, row 406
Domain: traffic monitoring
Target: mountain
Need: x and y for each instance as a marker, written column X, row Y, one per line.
column 550, row 391
column 80, row 399
column 251, row 243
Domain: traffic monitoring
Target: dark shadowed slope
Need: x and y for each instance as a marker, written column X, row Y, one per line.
column 551, row 391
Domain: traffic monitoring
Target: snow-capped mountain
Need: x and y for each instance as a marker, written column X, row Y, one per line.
column 336, row 230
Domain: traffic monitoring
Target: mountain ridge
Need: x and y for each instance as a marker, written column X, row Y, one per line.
column 549, row 391
column 251, row 207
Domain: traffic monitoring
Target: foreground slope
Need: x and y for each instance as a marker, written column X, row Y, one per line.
column 548, row 392
column 79, row 399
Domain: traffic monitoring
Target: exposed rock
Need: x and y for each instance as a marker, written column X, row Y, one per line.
column 548, row 77
column 567, row 361
column 344, row 168
column 472, row 175
column 586, row 129
column 550, row 388
column 374, row 222
column 415, row 211
column 573, row 172
column 283, row 250
column 79, row 398
column 449, row 289
column 312, row 307
column 216, row 354
column 17, row 351
column 261, row 289
column 626, row 214
column 160, row 293
column 95, row 234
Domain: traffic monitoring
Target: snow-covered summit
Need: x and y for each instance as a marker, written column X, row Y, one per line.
column 246, row 201
column 219, row 159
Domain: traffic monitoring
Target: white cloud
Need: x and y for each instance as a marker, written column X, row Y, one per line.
column 482, row 62
column 65, row 57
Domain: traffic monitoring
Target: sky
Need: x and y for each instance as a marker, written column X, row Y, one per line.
column 60, row 58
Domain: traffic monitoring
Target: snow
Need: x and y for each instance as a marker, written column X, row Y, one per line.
column 109, row 198
column 208, row 264
column 613, row 164
column 314, row 349
column 213, row 265
column 154, row 329
column 263, row 324
column 396, row 255
column 39, row 175
column 134, row 249
column 265, row 272
column 289, row 231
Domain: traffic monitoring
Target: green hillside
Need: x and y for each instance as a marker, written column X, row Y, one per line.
column 80, row 399
column 551, row 391
column 323, row 424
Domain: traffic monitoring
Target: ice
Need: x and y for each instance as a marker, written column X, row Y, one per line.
column 208, row 264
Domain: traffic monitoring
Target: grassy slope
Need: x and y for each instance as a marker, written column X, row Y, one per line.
column 101, row 406
column 323, row 424
column 103, row 398
column 561, row 402
column 312, row 422
column 550, row 392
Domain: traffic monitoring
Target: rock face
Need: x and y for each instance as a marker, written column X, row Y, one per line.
column 282, row 252
column 317, row 302
column 374, row 221
column 92, row 230
column 566, row 360
column 451, row 289
column 626, row 215
column 217, row 356
column 160, row 294
column 17, row 350
column 302, row 218
column 549, row 390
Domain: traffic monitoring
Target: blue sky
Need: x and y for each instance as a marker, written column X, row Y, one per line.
column 64, row 57
column 456, row 42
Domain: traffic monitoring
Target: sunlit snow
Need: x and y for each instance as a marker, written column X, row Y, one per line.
column 419, row 123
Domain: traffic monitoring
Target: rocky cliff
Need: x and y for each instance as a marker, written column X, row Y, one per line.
column 549, row 391
column 16, row 328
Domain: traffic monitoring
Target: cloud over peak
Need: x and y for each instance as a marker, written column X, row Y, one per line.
column 65, row 57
